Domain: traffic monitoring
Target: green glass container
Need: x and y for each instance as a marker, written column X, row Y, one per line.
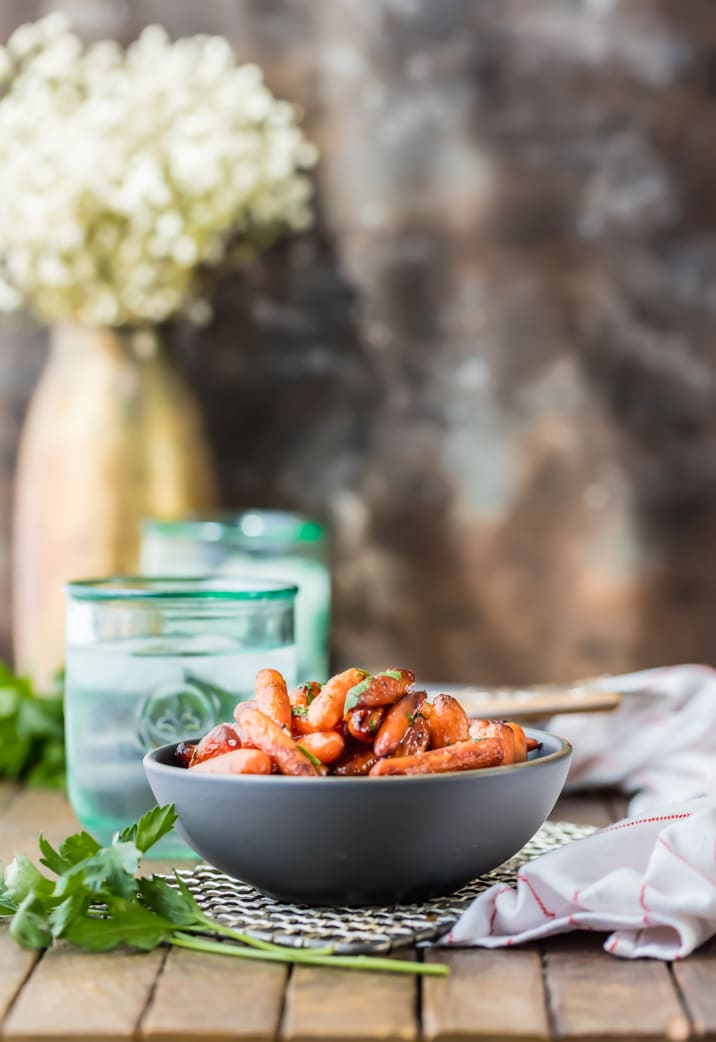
column 154, row 660
column 260, row 543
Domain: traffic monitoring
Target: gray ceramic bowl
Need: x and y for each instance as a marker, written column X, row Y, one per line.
column 354, row 841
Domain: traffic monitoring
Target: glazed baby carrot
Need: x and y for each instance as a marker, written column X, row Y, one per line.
column 363, row 724
column 272, row 697
column 520, row 741
column 223, row 738
column 396, row 722
column 504, row 733
column 326, row 746
column 380, row 690
column 448, row 721
column 416, row 739
column 326, row 709
column 355, row 761
column 239, row 761
column 300, row 699
column 465, row 756
column 258, row 729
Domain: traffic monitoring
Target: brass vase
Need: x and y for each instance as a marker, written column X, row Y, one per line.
column 112, row 435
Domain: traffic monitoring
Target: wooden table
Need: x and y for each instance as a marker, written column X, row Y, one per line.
column 567, row 988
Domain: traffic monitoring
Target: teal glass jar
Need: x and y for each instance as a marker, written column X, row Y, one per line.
column 156, row 660
column 259, row 543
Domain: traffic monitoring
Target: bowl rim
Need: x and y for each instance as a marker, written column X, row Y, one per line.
column 564, row 752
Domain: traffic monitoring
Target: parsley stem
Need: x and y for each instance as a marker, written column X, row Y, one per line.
column 310, row 958
column 210, row 925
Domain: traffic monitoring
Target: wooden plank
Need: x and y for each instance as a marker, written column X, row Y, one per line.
column 75, row 995
column 8, row 792
column 200, row 996
column 595, row 997
column 325, row 1005
column 696, row 977
column 34, row 811
column 15, row 967
column 583, row 809
column 489, row 994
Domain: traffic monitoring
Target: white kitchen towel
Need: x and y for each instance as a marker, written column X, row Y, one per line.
column 649, row 881
column 660, row 745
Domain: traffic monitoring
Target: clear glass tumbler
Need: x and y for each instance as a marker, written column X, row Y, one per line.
column 260, row 543
column 155, row 660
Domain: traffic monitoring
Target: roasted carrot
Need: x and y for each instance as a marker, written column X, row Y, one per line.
column 448, row 722
column 396, row 722
column 326, row 746
column 300, row 699
column 505, row 732
column 416, row 739
column 239, row 761
column 380, row 690
column 223, row 738
column 464, row 756
column 356, row 760
column 272, row 697
column 363, row 724
column 520, row 741
column 184, row 752
column 259, row 729
column 326, row 709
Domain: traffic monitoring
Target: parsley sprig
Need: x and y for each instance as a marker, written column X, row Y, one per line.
column 97, row 901
column 32, row 737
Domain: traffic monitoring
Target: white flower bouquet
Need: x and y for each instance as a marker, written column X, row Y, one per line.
column 127, row 177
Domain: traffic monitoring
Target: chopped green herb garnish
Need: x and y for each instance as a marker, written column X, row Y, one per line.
column 353, row 696
column 394, row 674
column 98, row 902
column 299, row 711
column 314, row 759
column 411, row 718
column 373, row 724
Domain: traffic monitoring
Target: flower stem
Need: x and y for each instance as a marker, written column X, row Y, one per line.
column 307, row 957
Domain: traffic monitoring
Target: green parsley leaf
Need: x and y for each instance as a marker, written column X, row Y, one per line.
column 394, row 674
column 111, row 869
column 8, row 906
column 155, row 824
column 127, row 922
column 32, row 738
column 75, row 902
column 78, row 847
column 353, row 696
column 373, row 724
column 314, row 759
column 50, row 857
column 177, row 905
column 22, row 878
column 29, row 926
column 299, row 711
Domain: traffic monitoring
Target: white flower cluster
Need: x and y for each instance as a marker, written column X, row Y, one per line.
column 127, row 176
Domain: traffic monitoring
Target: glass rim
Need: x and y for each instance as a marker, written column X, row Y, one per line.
column 166, row 587
column 242, row 526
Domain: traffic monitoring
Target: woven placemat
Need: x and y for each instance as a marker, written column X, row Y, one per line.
column 357, row 930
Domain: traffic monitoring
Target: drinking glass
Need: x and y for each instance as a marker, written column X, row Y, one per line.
column 260, row 543
column 156, row 660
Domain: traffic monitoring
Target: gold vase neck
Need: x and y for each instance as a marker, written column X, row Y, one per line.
column 68, row 341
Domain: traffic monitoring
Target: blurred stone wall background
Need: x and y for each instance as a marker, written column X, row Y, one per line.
column 493, row 367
